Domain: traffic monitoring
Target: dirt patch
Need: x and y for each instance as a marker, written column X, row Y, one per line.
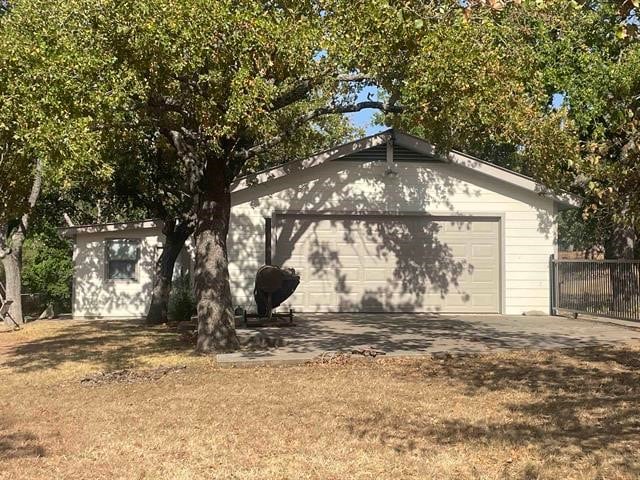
column 342, row 358
column 129, row 376
column 331, row 358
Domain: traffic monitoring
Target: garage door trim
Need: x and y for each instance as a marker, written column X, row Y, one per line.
column 277, row 215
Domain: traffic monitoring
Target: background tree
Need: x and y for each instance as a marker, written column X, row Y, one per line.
column 47, row 269
column 45, row 138
column 554, row 92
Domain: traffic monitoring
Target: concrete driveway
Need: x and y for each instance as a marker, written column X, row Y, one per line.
column 416, row 334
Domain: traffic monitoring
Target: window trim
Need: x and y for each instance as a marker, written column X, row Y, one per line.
column 107, row 242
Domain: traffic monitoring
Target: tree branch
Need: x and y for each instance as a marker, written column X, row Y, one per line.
column 298, row 92
column 67, row 220
column 387, row 107
column 628, row 148
column 36, row 188
column 354, row 77
column 37, row 184
column 186, row 154
column 301, row 90
column 4, row 250
column 168, row 104
column 14, row 238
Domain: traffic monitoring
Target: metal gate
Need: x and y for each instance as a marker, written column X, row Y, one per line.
column 607, row 288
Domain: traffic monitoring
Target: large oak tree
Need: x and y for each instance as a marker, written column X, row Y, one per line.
column 211, row 85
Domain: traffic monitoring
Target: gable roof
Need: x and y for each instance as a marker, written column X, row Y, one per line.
column 72, row 230
column 412, row 144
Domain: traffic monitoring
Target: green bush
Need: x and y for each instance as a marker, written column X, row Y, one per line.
column 182, row 303
column 47, row 269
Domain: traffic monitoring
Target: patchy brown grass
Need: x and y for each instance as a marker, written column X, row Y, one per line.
column 523, row 415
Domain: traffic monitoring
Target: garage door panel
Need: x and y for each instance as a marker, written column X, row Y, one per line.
column 319, row 298
column 484, row 227
column 350, row 274
column 347, row 261
column 483, row 276
column 458, row 250
column 487, row 300
column 453, row 301
column 391, row 263
column 347, row 248
column 352, row 301
column 482, row 251
column 375, row 274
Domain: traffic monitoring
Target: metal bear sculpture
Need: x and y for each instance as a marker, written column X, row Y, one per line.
column 273, row 286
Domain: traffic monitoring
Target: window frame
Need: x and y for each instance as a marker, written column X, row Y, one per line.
column 107, row 260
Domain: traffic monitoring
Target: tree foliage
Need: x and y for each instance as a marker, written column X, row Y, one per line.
column 48, row 269
column 110, row 83
column 484, row 80
column 54, row 105
column 195, row 89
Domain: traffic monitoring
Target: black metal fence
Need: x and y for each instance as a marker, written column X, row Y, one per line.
column 607, row 288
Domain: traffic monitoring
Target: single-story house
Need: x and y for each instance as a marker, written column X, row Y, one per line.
column 383, row 223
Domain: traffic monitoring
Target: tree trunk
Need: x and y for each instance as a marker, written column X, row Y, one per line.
column 11, row 242
column 176, row 234
column 620, row 244
column 216, row 328
column 625, row 284
column 12, row 264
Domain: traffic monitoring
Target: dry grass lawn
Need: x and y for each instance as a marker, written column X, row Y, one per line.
column 523, row 415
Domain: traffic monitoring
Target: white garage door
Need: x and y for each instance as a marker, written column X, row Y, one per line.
column 391, row 263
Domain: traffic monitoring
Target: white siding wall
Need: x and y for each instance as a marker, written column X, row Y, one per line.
column 435, row 188
column 94, row 295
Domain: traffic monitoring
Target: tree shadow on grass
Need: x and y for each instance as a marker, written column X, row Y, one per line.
column 584, row 402
column 18, row 444
column 114, row 344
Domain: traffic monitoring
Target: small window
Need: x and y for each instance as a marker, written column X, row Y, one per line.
column 122, row 259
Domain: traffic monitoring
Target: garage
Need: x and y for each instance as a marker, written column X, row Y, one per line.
column 385, row 223
column 375, row 263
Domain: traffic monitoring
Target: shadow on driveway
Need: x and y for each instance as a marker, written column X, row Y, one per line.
column 429, row 333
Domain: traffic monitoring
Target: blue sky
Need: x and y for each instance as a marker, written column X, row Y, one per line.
column 558, row 100
column 364, row 118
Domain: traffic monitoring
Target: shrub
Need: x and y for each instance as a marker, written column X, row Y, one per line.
column 47, row 269
column 182, row 303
